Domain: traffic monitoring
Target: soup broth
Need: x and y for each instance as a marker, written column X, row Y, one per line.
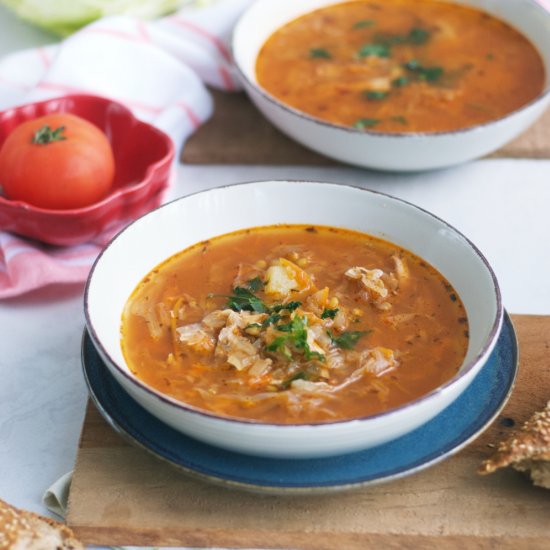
column 294, row 324
column 401, row 66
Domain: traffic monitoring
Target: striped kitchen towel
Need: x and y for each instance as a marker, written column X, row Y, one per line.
column 158, row 69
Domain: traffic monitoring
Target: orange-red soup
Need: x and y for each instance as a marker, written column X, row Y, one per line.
column 401, row 66
column 294, row 324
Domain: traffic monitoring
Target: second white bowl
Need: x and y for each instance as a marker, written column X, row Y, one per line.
column 384, row 151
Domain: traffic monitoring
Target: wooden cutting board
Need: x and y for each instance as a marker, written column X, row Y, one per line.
column 121, row 495
column 238, row 134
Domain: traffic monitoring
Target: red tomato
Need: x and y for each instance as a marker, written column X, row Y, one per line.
column 57, row 161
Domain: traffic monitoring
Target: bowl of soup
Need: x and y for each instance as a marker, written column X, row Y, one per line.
column 292, row 319
column 399, row 85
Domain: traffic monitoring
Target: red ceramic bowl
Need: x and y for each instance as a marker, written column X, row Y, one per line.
column 143, row 159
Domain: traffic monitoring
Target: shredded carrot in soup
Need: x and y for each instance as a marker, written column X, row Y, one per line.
column 294, row 324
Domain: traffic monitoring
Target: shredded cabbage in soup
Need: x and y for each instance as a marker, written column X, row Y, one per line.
column 295, row 324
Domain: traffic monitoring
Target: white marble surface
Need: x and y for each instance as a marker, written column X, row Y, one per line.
column 503, row 206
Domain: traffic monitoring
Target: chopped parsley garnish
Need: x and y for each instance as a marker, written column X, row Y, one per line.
column 400, row 82
column 295, row 337
column 243, row 299
column 288, row 327
column 364, row 24
column 275, row 312
column 489, row 56
column 300, row 375
column 375, row 95
column 271, row 320
column 377, row 50
column 277, row 344
column 412, row 65
column 399, row 118
column 290, row 306
column 383, row 42
column 430, row 74
column 329, row 313
column 389, row 40
column 363, row 123
column 319, row 53
column 255, row 284
column 418, row 36
column 348, row 339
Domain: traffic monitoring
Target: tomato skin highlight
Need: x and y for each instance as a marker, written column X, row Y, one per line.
column 73, row 172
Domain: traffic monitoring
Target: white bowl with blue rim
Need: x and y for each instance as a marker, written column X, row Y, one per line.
column 388, row 151
column 149, row 241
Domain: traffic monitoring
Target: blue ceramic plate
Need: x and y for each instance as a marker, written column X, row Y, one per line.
column 440, row 438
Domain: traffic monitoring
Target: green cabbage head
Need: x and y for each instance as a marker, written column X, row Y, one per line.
column 62, row 17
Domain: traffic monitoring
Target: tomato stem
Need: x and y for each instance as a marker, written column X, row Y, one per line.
column 46, row 135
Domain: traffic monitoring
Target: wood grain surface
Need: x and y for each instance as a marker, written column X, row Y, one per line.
column 238, row 134
column 121, row 495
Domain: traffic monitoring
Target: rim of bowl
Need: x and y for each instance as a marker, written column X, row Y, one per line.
column 366, row 132
column 117, row 193
column 180, row 405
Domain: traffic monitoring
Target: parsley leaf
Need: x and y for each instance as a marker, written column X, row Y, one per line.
column 319, row 53
column 295, row 336
column 271, row 320
column 287, row 327
column 383, row 42
column 298, row 335
column 244, row 300
column 300, row 375
column 290, row 306
column 364, row 24
column 430, row 74
column 255, row 284
column 297, row 330
column 377, row 50
column 329, row 313
column 348, row 339
column 400, row 81
column 278, row 343
column 401, row 119
column 375, row 95
column 389, row 40
column 363, row 123
column 418, row 36
column 275, row 312
column 412, row 65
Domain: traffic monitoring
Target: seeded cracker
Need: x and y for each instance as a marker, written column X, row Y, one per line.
column 24, row 530
column 526, row 450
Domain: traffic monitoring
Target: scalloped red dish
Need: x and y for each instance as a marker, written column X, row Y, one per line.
column 143, row 157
